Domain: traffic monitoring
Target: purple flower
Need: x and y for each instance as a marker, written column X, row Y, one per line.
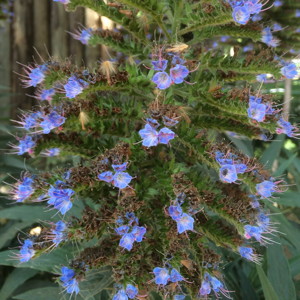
column 277, row 27
column 161, row 275
column 83, row 35
column 184, row 223
column 121, row 295
column 165, row 135
column 26, row 251
column 286, row 128
column 62, row 1
column 266, row 188
column 121, row 180
column 205, row 288
column 120, row 168
column 152, row 122
column 162, row 80
column 278, row 3
column 52, row 121
column 297, row 15
column 25, row 145
column 74, row 86
column 131, row 291
column 35, row 75
column 69, row 280
column 178, row 73
column 149, row 136
column 256, row 17
column 31, row 120
column 46, row 95
column 176, row 276
column 253, row 6
column 23, row 190
column 289, row 70
column 122, row 229
column 241, row 15
column 127, row 241
column 160, row 65
column 249, row 254
column 179, row 297
column 106, row 176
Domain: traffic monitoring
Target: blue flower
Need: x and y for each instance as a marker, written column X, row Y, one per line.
column 176, row 276
column 131, row 291
column 161, row 275
column 178, row 73
column 253, row 231
column 74, row 86
column 162, row 80
column 278, row 3
column 106, row 176
column 205, row 288
column 179, row 297
column 25, row 145
column 59, row 233
column 266, row 188
column 289, row 70
column 184, row 223
column 261, row 77
column 51, row 152
column 46, row 95
column 23, row 189
column 83, row 35
column 120, row 168
column 69, row 280
column 169, row 122
column 249, row 254
column 121, row 180
column 297, row 15
column 62, row 1
column 165, row 135
column 217, row 285
column 152, row 122
column 241, row 15
column 122, row 229
column 138, row 233
column 60, row 198
column 121, row 295
column 52, row 121
column 149, row 136
column 127, row 241
column 228, row 173
column 35, row 75
column 26, row 251
column 257, row 111
column 253, row 6
column 175, row 212
column 268, row 38
column 31, row 120
column 287, row 128
column 160, row 65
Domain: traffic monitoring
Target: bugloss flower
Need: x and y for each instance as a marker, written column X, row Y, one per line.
column 249, row 254
column 160, row 65
column 51, row 152
column 74, row 86
column 287, row 128
column 31, row 120
column 162, row 80
column 268, row 38
column 278, row 3
column 23, row 189
column 60, row 198
column 83, row 35
column 241, row 15
column 120, row 179
column 26, row 251
column 211, row 283
column 261, row 78
column 62, row 1
column 178, row 73
column 51, row 121
column 184, row 221
column 46, row 95
column 179, row 297
column 58, row 234
column 266, row 188
column 26, row 144
column 129, row 293
column 162, row 275
column 289, row 70
column 35, row 75
column 69, row 280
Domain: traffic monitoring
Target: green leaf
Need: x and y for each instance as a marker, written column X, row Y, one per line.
column 295, row 265
column 15, row 279
column 284, row 165
column 45, row 293
column 266, row 285
column 272, row 152
column 279, row 273
column 289, row 199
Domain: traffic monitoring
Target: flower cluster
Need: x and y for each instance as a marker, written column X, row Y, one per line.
column 58, row 233
column 130, row 231
column 211, row 283
column 120, row 179
column 23, row 189
column 257, row 110
column 268, row 38
column 60, row 197
column 35, row 75
column 69, row 280
column 151, row 137
column 287, row 128
column 163, row 276
column 26, row 144
column 230, row 167
column 130, row 292
column 177, row 73
column 244, row 9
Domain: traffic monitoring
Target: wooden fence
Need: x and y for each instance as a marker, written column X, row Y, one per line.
column 40, row 27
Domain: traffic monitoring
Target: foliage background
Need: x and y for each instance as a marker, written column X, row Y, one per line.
column 277, row 279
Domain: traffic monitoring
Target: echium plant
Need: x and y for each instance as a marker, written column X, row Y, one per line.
column 170, row 192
